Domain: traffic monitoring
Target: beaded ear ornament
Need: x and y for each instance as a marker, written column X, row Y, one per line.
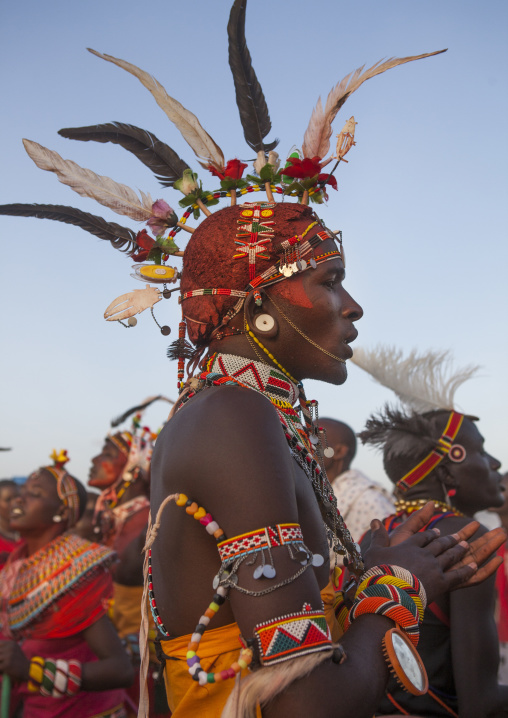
column 302, row 175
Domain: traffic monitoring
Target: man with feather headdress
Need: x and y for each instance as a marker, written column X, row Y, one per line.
column 433, row 452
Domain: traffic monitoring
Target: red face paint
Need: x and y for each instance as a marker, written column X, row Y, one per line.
column 293, row 291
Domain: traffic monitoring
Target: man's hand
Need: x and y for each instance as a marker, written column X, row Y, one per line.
column 442, row 563
column 13, row 661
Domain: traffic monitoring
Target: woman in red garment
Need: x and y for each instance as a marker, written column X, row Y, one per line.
column 8, row 539
column 58, row 646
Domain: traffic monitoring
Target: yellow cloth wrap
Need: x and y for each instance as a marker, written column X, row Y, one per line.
column 126, row 614
column 218, row 649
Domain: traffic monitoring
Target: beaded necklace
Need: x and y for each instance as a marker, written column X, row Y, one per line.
column 408, row 507
column 48, row 573
column 303, row 442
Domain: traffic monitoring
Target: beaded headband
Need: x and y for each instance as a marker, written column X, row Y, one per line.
column 66, row 486
column 303, row 176
column 444, row 448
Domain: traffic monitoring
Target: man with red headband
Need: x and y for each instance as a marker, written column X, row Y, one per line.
column 432, row 452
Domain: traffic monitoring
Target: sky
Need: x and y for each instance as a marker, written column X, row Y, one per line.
column 421, row 202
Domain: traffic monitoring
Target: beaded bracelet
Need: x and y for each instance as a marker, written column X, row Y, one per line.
column 193, row 661
column 398, row 572
column 54, row 677
column 409, row 584
column 390, row 601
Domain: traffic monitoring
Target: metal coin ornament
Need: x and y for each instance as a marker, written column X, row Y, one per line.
column 166, row 294
column 165, row 330
column 258, row 572
column 328, row 452
column 317, row 560
column 313, row 263
column 268, row 571
column 314, row 439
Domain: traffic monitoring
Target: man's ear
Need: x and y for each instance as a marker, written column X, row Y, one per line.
column 340, row 451
column 262, row 319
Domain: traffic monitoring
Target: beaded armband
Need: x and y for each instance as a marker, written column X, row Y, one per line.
column 279, row 639
column 288, row 637
column 54, row 677
column 258, row 545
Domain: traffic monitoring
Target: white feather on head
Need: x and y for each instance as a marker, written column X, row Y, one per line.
column 422, row 381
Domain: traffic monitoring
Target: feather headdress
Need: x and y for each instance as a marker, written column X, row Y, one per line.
column 301, row 177
column 422, row 382
column 316, row 141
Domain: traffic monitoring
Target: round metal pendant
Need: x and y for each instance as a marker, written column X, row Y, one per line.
column 328, row 452
column 268, row 571
column 258, row 572
column 317, row 560
column 165, row 330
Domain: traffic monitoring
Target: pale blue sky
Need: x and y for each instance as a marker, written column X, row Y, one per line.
column 422, row 202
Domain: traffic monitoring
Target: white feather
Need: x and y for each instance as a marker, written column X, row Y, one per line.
column 118, row 197
column 316, row 141
column 188, row 124
column 423, row 382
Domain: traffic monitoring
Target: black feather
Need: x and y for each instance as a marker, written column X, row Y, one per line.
column 121, row 238
column 156, row 155
column 180, row 349
column 250, row 99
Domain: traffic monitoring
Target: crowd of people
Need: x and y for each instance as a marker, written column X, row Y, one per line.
column 236, row 564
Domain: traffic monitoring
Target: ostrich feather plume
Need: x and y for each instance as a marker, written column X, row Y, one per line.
column 121, row 238
column 164, row 162
column 118, row 197
column 250, row 99
column 193, row 133
column 316, row 141
column 422, row 382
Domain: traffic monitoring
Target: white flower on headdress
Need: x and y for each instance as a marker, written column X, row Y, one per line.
column 273, row 159
column 187, row 183
column 261, row 161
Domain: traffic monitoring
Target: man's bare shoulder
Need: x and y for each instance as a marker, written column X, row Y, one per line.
column 227, row 441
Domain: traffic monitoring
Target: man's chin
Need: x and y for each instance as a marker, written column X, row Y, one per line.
column 336, row 374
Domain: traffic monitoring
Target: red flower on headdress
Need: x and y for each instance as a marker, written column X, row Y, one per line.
column 145, row 242
column 330, row 179
column 301, row 169
column 233, row 170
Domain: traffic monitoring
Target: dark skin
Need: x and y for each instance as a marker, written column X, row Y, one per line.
column 32, row 516
column 226, row 450
column 7, row 493
column 106, row 469
column 475, row 653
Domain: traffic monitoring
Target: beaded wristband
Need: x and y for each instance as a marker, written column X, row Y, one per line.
column 399, row 572
column 35, row 673
column 54, row 677
column 390, row 601
column 383, row 579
